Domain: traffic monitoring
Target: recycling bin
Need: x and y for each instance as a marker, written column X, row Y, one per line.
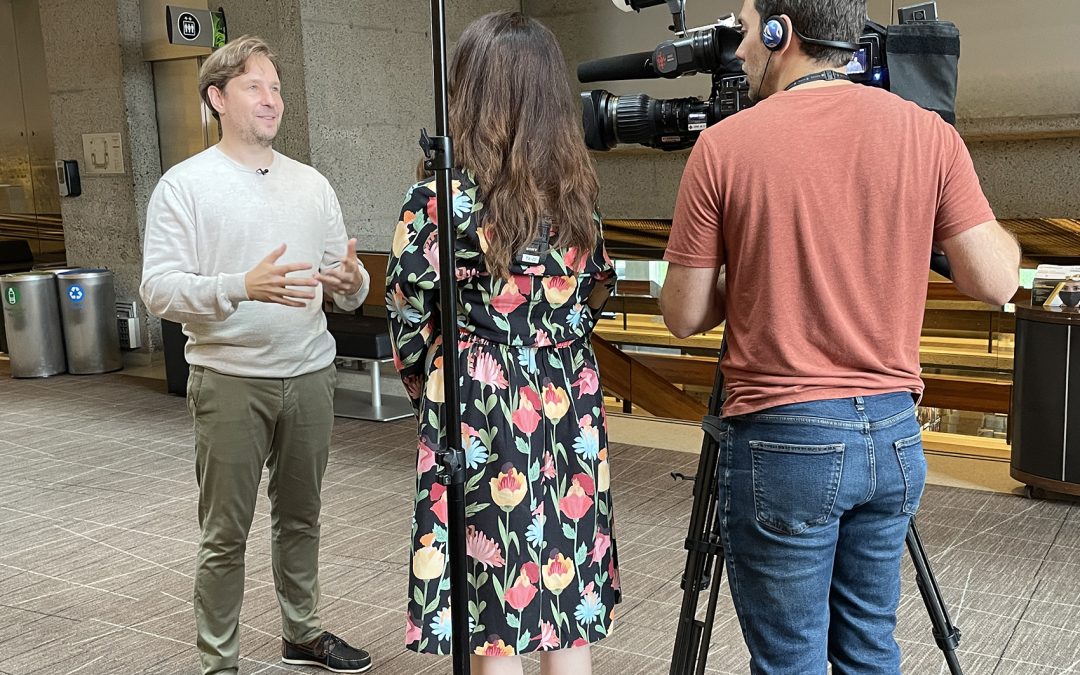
column 32, row 324
column 88, row 315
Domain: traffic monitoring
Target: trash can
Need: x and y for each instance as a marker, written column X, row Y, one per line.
column 88, row 314
column 32, row 324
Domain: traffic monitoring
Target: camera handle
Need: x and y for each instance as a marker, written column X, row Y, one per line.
column 676, row 7
column 678, row 16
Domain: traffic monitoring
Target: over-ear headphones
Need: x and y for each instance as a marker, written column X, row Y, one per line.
column 774, row 35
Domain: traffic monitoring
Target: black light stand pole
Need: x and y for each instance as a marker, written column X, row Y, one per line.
column 440, row 153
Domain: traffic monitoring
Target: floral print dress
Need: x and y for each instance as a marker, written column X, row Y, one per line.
column 543, row 572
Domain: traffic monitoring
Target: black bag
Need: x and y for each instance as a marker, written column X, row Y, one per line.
column 922, row 58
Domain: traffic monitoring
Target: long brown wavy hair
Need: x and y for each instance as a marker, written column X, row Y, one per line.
column 517, row 129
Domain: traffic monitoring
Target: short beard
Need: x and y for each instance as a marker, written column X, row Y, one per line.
column 253, row 137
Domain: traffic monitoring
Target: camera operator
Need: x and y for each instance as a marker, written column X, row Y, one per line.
column 807, row 222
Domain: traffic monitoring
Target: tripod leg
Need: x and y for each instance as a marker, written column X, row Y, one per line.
column 703, row 548
column 702, row 545
column 946, row 634
column 701, row 650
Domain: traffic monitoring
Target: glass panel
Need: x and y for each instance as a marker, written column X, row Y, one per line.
column 29, row 194
column 16, row 193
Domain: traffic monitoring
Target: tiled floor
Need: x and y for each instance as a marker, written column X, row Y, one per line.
column 98, row 536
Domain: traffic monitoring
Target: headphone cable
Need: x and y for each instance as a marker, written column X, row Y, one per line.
column 764, row 72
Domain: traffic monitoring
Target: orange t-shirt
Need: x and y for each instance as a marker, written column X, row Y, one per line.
column 823, row 203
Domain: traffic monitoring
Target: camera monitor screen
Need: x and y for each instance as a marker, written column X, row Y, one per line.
column 860, row 62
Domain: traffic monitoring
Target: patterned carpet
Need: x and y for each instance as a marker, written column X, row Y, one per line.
column 98, row 536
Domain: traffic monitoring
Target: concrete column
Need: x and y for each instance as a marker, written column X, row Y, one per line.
column 98, row 83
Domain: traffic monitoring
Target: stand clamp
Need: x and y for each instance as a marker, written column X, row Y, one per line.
column 439, row 151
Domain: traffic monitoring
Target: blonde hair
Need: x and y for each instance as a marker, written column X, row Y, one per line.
column 231, row 61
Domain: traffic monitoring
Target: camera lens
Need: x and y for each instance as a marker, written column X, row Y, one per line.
column 668, row 124
column 633, row 116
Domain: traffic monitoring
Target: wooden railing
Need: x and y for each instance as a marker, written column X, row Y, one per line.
column 942, row 391
column 624, row 376
column 935, row 352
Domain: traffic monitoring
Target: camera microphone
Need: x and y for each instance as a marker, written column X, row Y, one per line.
column 637, row 66
column 262, row 172
column 708, row 50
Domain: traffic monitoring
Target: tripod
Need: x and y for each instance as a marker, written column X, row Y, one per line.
column 705, row 559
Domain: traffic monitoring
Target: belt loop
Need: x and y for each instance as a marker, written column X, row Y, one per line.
column 860, row 404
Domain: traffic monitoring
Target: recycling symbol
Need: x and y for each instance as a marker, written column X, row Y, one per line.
column 76, row 293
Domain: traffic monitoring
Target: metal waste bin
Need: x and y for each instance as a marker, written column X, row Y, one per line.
column 32, row 324
column 88, row 312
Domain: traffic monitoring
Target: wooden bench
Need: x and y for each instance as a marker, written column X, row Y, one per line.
column 366, row 338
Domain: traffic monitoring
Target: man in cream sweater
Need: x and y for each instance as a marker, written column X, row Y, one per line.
column 241, row 245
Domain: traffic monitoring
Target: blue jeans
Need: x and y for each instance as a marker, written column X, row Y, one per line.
column 815, row 501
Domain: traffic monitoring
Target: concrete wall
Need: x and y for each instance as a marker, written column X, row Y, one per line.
column 369, row 94
column 279, row 23
column 98, row 83
column 1030, row 179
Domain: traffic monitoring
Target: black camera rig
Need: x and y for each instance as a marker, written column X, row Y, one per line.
column 925, row 52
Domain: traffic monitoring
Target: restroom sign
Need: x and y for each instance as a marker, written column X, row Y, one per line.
column 195, row 27
column 12, row 296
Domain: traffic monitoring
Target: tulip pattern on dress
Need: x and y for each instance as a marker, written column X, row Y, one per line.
column 543, row 570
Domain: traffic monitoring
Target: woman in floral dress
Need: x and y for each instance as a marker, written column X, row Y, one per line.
column 532, row 275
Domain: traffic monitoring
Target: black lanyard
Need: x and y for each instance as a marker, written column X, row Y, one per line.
column 814, row 77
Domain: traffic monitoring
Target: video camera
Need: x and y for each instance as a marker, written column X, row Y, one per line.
column 925, row 52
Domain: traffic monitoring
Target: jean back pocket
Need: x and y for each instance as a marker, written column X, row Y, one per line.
column 795, row 486
column 909, row 453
